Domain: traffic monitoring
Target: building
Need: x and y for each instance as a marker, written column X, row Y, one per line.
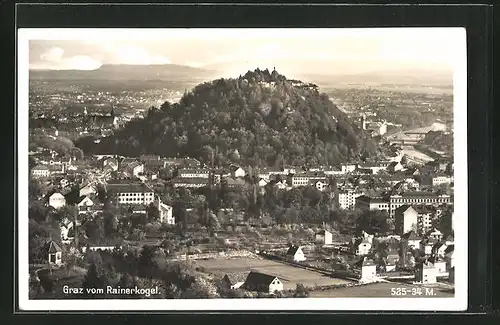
column 190, row 182
column 57, row 200
column 134, row 169
column 411, row 239
column 263, row 182
column 425, row 273
column 450, row 240
column 324, row 237
column 233, row 280
column 166, row 213
column 40, row 171
column 321, row 185
column 347, row 199
column 65, row 227
column 54, row 253
column 306, row 178
column 426, row 246
column 438, row 250
column 395, row 166
column 441, row 179
column 261, row 282
column 417, row 199
column 406, row 219
column 362, row 246
column 366, row 269
column 88, row 189
column 295, row 254
column 237, row 172
column 131, row 192
column 425, row 218
column 434, row 234
column 194, row 173
column 84, row 204
column 367, row 203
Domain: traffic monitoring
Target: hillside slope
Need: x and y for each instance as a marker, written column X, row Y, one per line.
column 260, row 118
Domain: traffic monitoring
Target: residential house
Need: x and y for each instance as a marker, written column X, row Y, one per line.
column 233, row 280
column 321, row 185
column 324, row 237
column 84, row 204
column 134, row 169
column 65, row 227
column 406, row 219
column 441, row 179
column 139, row 209
column 263, row 182
column 347, row 199
column 411, row 239
column 54, row 253
column 237, row 172
column 362, row 246
column 425, row 273
column 425, row 218
column 348, row 168
column 439, row 264
column 426, row 246
column 257, row 281
column 166, row 213
column 439, row 249
column 295, row 254
column 450, row 240
column 57, row 200
column 434, row 234
column 366, row 268
column 40, row 171
column 63, row 182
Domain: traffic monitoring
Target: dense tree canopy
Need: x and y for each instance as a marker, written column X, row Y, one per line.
column 258, row 119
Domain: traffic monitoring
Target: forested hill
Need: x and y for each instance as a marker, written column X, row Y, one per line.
column 260, row 118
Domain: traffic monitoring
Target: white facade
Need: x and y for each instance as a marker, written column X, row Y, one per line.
column 438, row 180
column 40, row 171
column 347, row 199
column 166, row 214
column 368, row 272
column 239, row 172
column 57, row 200
column 262, row 182
column 276, row 285
column 194, row 173
column 321, row 186
column 144, row 198
column 363, row 248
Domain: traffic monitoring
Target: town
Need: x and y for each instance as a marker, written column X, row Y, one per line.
column 360, row 228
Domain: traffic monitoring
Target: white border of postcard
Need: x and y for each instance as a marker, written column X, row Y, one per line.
column 457, row 39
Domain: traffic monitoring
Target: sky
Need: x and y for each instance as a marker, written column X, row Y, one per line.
column 234, row 51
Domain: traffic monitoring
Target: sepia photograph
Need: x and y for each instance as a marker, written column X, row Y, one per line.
column 244, row 169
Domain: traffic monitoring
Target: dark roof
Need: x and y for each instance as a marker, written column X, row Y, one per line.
column 190, row 180
column 363, row 262
column 236, row 277
column 410, row 235
column 449, row 249
column 52, row 247
column 257, row 278
column 292, row 250
column 403, row 208
column 127, row 187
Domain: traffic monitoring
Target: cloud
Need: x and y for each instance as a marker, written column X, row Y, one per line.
column 54, row 54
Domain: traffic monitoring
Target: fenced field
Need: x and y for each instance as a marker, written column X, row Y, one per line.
column 288, row 274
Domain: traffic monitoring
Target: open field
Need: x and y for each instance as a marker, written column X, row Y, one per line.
column 378, row 290
column 288, row 274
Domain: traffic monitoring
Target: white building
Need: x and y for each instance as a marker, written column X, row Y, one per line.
column 131, row 193
column 166, row 213
column 238, row 172
column 321, row 185
column 441, row 179
column 57, row 200
column 194, row 173
column 40, row 171
column 347, row 199
column 295, row 254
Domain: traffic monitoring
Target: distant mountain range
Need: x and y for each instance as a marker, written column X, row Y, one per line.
column 124, row 72
column 393, row 77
